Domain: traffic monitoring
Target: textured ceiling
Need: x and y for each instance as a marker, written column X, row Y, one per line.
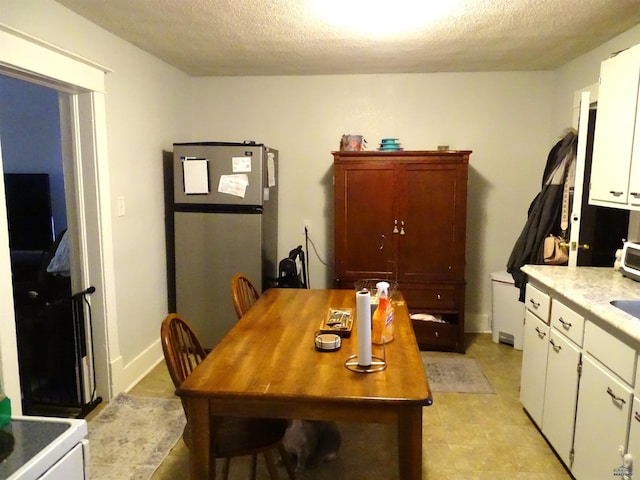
column 289, row 37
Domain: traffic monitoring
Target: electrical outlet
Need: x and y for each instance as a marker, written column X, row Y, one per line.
column 306, row 224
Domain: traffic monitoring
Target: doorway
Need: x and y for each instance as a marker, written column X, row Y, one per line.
column 596, row 232
column 51, row 327
column 79, row 84
column 604, row 229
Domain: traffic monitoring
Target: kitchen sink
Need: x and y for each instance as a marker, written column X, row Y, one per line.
column 632, row 307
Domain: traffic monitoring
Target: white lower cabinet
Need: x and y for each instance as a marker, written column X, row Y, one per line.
column 634, row 437
column 534, row 366
column 602, row 423
column 577, row 385
column 549, row 387
column 561, row 394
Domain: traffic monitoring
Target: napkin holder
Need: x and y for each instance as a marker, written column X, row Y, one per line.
column 338, row 321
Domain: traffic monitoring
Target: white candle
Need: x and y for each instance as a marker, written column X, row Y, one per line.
column 363, row 314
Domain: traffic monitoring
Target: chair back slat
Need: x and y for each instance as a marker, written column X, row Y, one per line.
column 244, row 294
column 183, row 352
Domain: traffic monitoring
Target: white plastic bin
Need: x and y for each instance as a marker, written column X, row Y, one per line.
column 507, row 312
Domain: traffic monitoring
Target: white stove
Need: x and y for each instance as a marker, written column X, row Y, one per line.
column 47, row 449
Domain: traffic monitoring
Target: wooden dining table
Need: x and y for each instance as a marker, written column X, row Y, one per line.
column 267, row 366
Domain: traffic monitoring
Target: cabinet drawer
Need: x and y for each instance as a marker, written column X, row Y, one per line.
column 619, row 357
column 432, row 298
column 567, row 321
column 436, row 336
column 538, row 302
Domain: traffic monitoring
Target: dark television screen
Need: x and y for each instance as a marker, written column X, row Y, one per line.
column 28, row 211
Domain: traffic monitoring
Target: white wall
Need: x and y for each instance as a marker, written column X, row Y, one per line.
column 145, row 102
column 505, row 118
column 510, row 120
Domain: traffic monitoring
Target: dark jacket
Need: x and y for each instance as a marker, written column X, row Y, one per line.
column 544, row 212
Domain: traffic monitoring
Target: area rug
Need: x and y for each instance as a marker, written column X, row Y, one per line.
column 131, row 437
column 455, row 373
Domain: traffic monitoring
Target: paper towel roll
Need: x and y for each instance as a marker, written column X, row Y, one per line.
column 363, row 313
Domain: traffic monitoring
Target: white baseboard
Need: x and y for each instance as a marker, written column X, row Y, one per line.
column 125, row 377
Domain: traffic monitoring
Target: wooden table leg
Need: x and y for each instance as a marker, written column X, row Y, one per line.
column 202, row 465
column 410, row 442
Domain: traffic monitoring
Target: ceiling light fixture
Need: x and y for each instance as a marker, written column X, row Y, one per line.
column 382, row 18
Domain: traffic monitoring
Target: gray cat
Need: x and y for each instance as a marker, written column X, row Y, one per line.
column 312, row 442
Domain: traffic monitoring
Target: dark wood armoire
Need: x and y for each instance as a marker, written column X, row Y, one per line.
column 402, row 216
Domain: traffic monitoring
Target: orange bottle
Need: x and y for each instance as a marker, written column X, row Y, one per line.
column 382, row 321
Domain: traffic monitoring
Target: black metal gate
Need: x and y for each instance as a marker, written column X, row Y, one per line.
column 56, row 356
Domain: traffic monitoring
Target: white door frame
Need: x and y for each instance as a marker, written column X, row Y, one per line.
column 582, row 101
column 82, row 101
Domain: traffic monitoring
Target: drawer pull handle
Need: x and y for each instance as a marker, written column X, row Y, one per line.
column 541, row 334
column 534, row 303
column 635, row 194
column 557, row 348
column 636, row 415
column 615, row 193
column 613, row 395
column 564, row 323
column 439, row 296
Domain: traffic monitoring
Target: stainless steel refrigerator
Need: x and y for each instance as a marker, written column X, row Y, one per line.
column 225, row 216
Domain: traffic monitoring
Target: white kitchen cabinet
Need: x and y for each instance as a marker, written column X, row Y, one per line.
column 602, row 421
column 561, row 394
column 577, row 384
column 615, row 175
column 534, row 366
column 550, row 368
column 634, row 434
column 607, row 424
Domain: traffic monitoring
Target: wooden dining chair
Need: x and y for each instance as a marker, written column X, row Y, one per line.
column 244, row 294
column 235, row 437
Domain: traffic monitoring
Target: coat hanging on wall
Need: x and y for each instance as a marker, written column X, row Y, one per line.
column 544, row 214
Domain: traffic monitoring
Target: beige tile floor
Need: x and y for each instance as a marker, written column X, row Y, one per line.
column 466, row 436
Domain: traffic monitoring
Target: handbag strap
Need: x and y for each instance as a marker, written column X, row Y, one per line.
column 564, row 219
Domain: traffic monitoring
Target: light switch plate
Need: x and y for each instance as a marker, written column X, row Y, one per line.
column 122, row 210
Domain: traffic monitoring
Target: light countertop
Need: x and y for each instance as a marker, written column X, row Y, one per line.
column 592, row 288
